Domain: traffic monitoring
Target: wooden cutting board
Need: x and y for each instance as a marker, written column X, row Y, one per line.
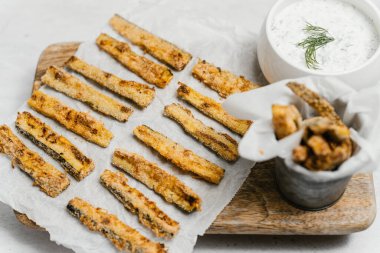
column 258, row 207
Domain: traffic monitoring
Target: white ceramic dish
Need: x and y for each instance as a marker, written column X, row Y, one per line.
column 276, row 68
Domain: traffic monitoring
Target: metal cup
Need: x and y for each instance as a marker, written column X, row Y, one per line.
column 307, row 192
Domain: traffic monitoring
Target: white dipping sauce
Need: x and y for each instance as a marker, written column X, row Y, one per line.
column 356, row 37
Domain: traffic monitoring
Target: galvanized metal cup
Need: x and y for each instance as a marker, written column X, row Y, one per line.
column 307, row 192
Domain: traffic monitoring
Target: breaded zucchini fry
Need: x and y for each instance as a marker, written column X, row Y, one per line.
column 321, row 105
column 222, row 144
column 328, row 144
column 139, row 93
column 222, row 81
column 286, row 120
column 134, row 201
column 160, row 49
column 45, row 176
column 338, row 155
column 327, row 136
column 183, row 158
column 300, row 154
column 168, row 186
column 212, row 109
column 148, row 70
column 68, row 84
column 72, row 160
column 319, row 145
column 123, row 237
column 322, row 125
column 78, row 122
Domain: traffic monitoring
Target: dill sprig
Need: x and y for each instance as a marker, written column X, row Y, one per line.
column 317, row 38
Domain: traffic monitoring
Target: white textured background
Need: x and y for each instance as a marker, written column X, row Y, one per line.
column 27, row 27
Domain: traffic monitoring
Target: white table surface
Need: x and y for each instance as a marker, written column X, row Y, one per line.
column 27, row 27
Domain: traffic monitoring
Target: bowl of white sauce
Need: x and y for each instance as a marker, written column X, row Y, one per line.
column 338, row 38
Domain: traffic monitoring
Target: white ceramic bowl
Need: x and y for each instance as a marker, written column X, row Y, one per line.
column 276, row 68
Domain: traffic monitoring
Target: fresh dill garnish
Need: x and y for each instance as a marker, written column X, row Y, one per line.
column 317, row 38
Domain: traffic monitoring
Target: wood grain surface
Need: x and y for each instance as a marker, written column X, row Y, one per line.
column 258, row 208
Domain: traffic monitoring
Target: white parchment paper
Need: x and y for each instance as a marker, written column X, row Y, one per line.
column 214, row 40
column 358, row 109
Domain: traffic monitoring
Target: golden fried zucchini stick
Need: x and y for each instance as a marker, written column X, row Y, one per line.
column 321, row 105
column 168, row 186
column 222, row 144
column 139, row 93
column 50, row 180
column 322, row 125
column 183, row 158
column 329, row 144
column 327, row 155
column 123, row 237
column 319, row 145
column 286, row 120
column 222, row 81
column 148, row 70
column 66, row 83
column 212, row 109
column 300, row 153
column 160, row 49
column 134, row 201
column 71, row 158
column 338, row 155
column 78, row 122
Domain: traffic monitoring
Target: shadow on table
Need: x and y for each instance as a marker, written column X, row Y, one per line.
column 18, row 238
column 268, row 242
